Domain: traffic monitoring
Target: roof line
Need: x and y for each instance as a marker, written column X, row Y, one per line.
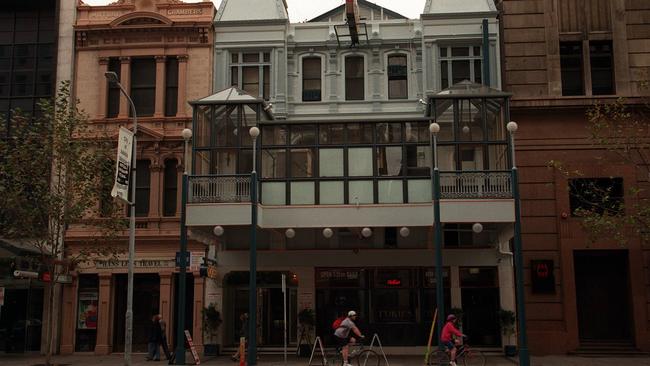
column 361, row 2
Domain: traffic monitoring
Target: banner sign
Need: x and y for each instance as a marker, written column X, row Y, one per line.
column 123, row 168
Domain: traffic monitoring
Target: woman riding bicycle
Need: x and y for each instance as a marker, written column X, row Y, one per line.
column 446, row 337
column 343, row 337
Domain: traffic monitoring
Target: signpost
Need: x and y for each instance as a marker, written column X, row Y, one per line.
column 284, row 299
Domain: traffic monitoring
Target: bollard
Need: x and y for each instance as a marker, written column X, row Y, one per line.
column 242, row 351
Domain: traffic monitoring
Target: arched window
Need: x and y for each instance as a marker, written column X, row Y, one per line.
column 170, row 187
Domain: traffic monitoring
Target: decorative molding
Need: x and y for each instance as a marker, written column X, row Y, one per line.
column 125, row 59
column 182, row 58
column 160, row 58
column 104, row 60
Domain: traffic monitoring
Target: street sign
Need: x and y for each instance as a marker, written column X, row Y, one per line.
column 123, row 168
column 188, row 259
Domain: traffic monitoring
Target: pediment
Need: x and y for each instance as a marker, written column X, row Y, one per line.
column 145, row 133
column 141, row 19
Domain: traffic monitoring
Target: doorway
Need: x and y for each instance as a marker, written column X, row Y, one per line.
column 481, row 304
column 146, row 302
column 603, row 295
column 21, row 320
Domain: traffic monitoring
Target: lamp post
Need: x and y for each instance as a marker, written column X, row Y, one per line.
column 128, row 336
column 180, row 330
column 434, row 128
column 252, row 285
column 524, row 357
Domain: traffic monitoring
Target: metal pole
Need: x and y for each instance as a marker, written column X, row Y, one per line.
column 180, row 322
column 252, row 285
column 486, row 53
column 284, row 298
column 524, row 356
column 440, row 295
column 128, row 337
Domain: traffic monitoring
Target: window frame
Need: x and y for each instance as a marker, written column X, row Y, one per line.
column 405, row 77
column 303, row 77
column 170, row 206
column 150, row 88
column 264, row 71
column 449, row 60
column 363, row 78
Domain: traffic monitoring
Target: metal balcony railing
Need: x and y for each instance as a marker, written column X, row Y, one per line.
column 480, row 185
column 219, row 189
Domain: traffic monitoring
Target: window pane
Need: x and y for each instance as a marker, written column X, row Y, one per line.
column 397, row 89
column 444, row 75
column 245, row 165
column 251, row 80
column 419, row 191
column 331, row 193
column 234, row 58
column 389, row 132
column 460, row 71
column 170, row 189
column 602, row 75
column 234, row 76
column 143, row 85
column 360, row 192
column 360, row 133
column 478, row 72
column 267, row 57
column 417, row 132
column 251, row 57
column 274, row 135
column 598, row 195
column 459, row 51
column 418, row 161
column 331, row 162
column 332, row 134
column 171, row 86
column 498, row 157
column 302, row 193
column 389, row 161
column 302, row 162
column 225, row 161
column 446, row 158
column 360, row 162
column 303, row 135
column 274, row 163
column 443, row 51
column 266, row 91
column 354, row 78
column 311, row 67
column 390, row 191
column 571, row 64
column 477, row 51
column 274, row 193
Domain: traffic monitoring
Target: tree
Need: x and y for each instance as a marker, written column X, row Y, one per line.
column 620, row 131
column 53, row 174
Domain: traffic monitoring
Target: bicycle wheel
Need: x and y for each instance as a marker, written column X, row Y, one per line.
column 368, row 357
column 439, row 358
column 474, row 358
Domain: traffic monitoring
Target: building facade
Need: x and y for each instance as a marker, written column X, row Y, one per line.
column 560, row 59
column 35, row 56
column 344, row 160
column 161, row 52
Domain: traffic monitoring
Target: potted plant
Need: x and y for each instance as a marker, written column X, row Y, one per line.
column 211, row 322
column 507, row 322
column 307, row 322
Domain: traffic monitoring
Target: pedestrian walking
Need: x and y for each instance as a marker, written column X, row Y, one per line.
column 163, row 336
column 155, row 336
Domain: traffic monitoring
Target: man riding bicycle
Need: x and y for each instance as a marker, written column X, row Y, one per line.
column 343, row 337
column 449, row 331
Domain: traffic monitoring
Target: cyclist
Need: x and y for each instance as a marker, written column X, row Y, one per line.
column 344, row 338
column 449, row 331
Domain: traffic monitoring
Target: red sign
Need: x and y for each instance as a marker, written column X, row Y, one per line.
column 394, row 282
column 195, row 354
column 45, row 277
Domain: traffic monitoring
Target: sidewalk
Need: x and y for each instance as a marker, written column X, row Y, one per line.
column 274, row 360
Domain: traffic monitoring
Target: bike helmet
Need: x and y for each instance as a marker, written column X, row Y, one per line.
column 351, row 313
column 451, row 317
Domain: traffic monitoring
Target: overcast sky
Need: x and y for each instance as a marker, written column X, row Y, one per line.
column 301, row 10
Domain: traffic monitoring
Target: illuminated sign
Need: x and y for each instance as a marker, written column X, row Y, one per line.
column 394, row 282
column 542, row 276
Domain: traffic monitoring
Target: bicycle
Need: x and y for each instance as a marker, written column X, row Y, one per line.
column 358, row 354
column 465, row 355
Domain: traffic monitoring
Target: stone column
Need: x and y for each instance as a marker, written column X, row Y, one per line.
column 102, row 109
column 155, row 194
column 507, row 293
column 197, row 333
column 160, row 87
column 103, row 345
column 69, row 320
column 166, row 308
column 182, row 85
column 125, row 80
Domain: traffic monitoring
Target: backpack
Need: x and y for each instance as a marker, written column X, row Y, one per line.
column 337, row 323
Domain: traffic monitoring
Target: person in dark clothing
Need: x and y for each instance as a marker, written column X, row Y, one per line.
column 155, row 337
column 243, row 333
column 163, row 336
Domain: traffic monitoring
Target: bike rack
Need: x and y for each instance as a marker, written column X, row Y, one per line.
column 318, row 342
column 375, row 337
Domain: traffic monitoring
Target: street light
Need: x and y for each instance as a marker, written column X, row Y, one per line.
column 524, row 357
column 180, row 330
column 128, row 337
column 434, row 128
column 254, row 132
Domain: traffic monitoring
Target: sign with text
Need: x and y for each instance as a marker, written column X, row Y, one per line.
column 195, row 355
column 188, row 259
column 138, row 263
column 542, row 276
column 123, row 168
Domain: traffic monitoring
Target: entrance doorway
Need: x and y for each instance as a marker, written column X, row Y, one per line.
column 270, row 307
column 146, row 302
column 603, row 295
column 481, row 304
column 21, row 320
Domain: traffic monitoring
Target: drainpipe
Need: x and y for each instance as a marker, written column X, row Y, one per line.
column 486, row 53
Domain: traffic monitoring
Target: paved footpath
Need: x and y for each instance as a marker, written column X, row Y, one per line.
column 138, row 360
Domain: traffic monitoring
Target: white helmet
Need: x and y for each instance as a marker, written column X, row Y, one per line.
column 351, row 313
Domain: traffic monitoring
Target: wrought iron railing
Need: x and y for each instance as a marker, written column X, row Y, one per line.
column 481, row 185
column 219, row 189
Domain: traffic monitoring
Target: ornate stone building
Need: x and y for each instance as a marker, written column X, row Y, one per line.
column 162, row 52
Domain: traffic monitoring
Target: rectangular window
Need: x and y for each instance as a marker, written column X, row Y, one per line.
column 170, row 188
column 251, row 71
column 143, row 85
column 602, row 64
column 596, row 195
column 354, row 78
column 113, row 105
column 142, row 189
column 459, row 64
column 571, row 65
column 311, row 79
column 397, row 77
column 171, row 86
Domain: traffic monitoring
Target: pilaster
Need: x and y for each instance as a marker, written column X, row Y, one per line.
column 103, row 88
column 103, row 345
column 68, row 321
column 197, row 333
column 160, row 87
column 125, row 80
column 182, row 85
